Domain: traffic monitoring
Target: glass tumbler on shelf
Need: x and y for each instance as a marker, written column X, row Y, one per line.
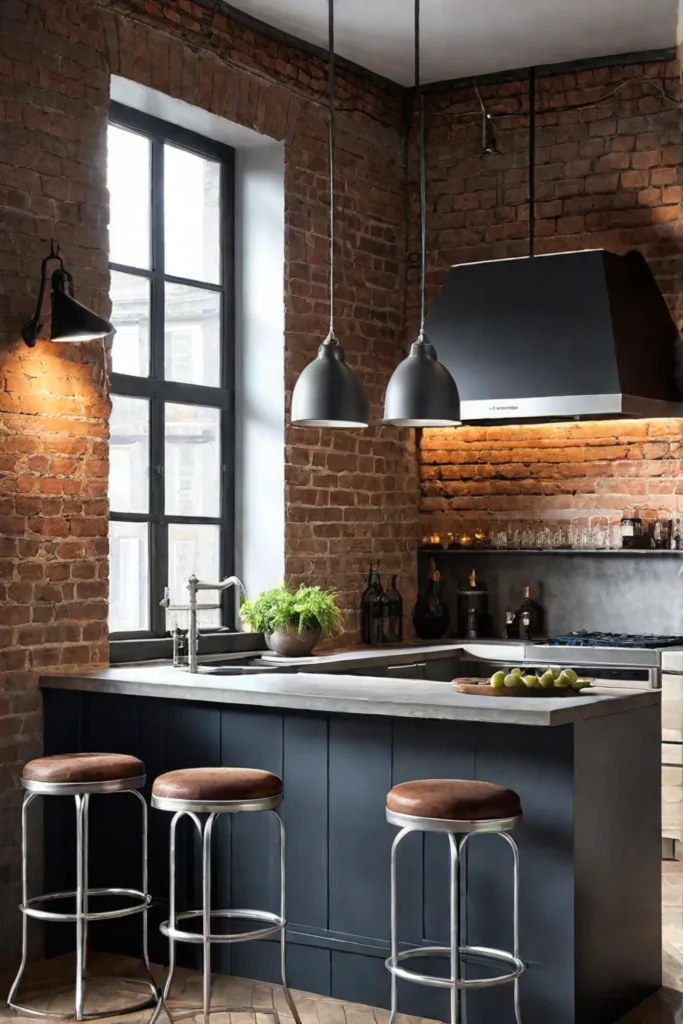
column 599, row 537
column 543, row 537
column 558, row 539
column 528, row 538
column 615, row 542
column 499, row 538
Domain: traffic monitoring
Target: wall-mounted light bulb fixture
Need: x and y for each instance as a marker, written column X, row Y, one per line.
column 71, row 320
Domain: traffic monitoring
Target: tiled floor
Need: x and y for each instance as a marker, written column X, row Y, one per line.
column 258, row 1001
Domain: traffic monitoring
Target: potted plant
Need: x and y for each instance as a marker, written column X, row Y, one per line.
column 292, row 621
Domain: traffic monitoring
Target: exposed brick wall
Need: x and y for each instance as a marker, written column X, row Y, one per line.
column 53, row 403
column 350, row 497
column 607, row 176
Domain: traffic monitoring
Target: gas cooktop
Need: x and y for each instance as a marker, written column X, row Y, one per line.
column 646, row 641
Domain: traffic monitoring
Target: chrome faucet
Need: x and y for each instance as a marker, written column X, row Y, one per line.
column 194, row 585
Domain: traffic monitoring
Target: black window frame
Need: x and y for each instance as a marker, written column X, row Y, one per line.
column 158, row 390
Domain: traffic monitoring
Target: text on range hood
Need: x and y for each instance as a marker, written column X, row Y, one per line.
column 574, row 334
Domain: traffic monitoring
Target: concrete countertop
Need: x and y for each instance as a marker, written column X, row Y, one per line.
column 345, row 694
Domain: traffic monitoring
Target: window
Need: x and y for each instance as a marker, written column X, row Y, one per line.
column 171, row 448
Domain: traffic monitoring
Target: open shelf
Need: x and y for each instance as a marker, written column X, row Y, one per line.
column 623, row 552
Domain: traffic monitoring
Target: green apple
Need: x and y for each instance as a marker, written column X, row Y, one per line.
column 547, row 679
column 530, row 681
column 498, row 680
column 512, row 680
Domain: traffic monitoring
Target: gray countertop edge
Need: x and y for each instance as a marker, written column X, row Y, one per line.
column 401, row 698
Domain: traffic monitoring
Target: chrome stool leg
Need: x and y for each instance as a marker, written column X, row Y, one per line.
column 273, row 923
column 32, row 906
column 28, row 798
column 81, row 899
column 283, row 931
column 206, row 916
column 394, row 924
column 455, row 926
column 457, row 985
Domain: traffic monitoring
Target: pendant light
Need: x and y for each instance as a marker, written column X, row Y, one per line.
column 421, row 391
column 329, row 393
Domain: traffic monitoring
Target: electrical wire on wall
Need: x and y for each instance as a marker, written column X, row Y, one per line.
column 489, row 120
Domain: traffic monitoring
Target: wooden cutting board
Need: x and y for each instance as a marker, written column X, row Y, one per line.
column 479, row 688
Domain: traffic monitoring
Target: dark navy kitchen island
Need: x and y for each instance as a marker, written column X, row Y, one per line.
column 587, row 771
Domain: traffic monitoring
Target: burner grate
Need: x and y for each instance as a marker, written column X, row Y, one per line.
column 584, row 638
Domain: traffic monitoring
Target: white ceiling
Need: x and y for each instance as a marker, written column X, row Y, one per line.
column 473, row 37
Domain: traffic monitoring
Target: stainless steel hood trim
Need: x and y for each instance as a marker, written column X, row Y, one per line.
column 567, row 407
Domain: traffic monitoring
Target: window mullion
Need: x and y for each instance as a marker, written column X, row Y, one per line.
column 159, row 530
column 157, row 311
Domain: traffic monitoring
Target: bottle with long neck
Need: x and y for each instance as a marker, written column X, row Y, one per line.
column 367, row 603
column 394, row 630
column 531, row 617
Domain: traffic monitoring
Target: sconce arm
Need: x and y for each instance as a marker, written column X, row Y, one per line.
column 31, row 328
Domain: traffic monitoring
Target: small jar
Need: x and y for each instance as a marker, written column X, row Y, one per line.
column 631, row 532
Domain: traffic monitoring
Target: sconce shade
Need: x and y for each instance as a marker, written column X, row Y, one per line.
column 72, row 321
column 329, row 393
column 421, row 391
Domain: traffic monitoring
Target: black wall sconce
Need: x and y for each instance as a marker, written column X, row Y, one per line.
column 71, row 321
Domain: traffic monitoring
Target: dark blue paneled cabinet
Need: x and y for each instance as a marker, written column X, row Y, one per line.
column 589, row 846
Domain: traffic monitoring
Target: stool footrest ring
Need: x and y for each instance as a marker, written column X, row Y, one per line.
column 143, row 1004
column 179, row 1011
column 31, row 908
column 508, row 959
column 274, row 924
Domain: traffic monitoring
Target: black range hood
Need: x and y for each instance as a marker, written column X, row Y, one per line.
column 582, row 335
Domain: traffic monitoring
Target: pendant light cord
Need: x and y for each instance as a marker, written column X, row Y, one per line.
column 532, row 161
column 330, row 142
column 423, row 183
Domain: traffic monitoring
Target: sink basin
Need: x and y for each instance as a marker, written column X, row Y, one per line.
column 239, row 667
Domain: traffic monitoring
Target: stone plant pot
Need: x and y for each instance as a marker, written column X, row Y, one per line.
column 290, row 643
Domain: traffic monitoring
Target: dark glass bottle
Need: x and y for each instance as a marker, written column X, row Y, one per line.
column 394, row 630
column 366, row 603
column 531, row 617
column 430, row 614
column 378, row 605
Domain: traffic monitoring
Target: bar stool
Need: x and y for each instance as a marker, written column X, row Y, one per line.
column 459, row 808
column 82, row 776
column 210, row 792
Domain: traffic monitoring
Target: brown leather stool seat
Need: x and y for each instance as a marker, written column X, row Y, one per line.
column 83, row 768
column 454, row 800
column 217, row 784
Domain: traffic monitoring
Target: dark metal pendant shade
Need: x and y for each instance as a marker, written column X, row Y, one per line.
column 329, row 393
column 71, row 320
column 422, row 392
